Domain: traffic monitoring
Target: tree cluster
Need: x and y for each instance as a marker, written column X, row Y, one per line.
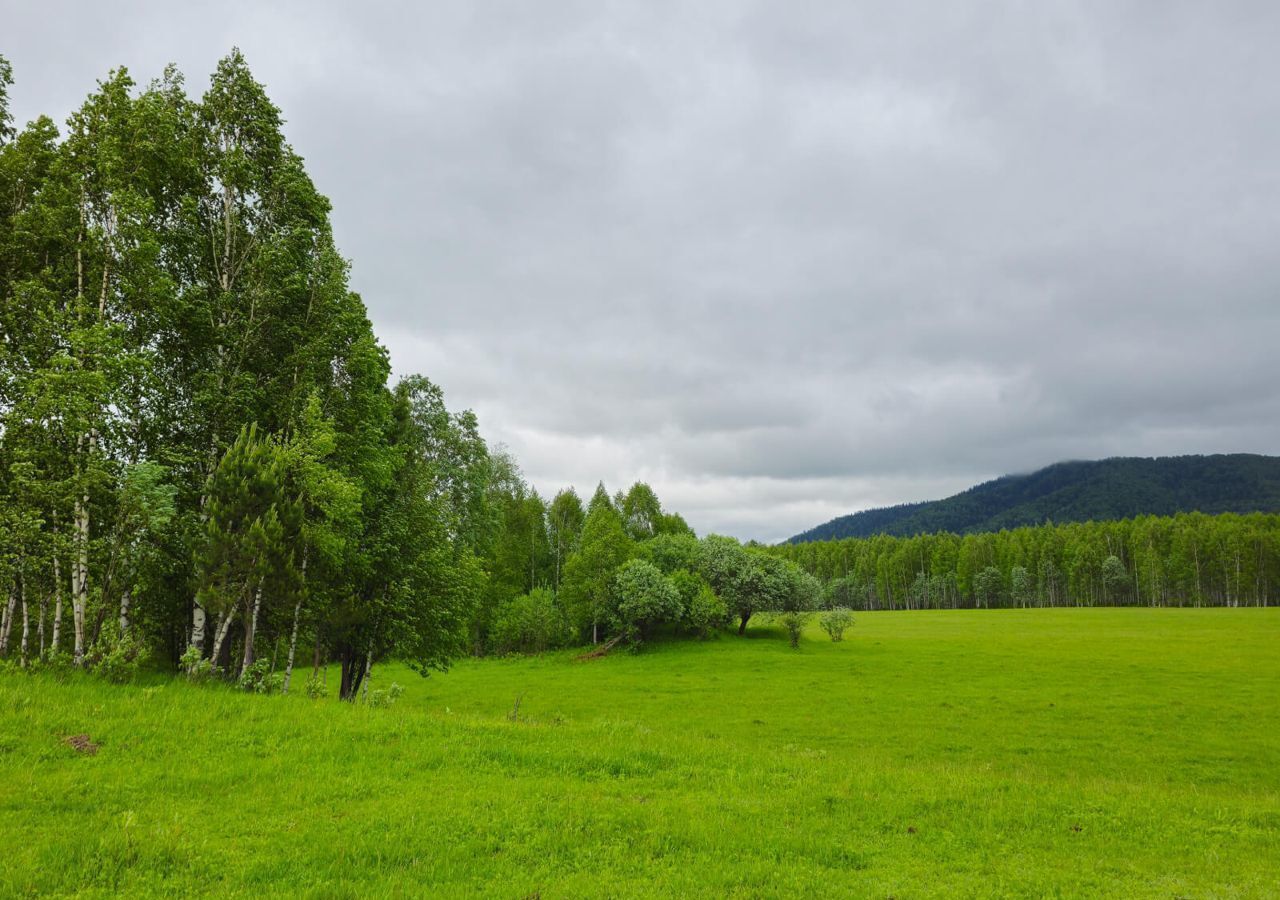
column 202, row 459
column 1190, row 559
column 619, row 568
column 199, row 450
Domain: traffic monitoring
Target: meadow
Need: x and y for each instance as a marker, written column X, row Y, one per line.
column 1046, row 753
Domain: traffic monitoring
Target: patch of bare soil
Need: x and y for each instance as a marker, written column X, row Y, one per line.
column 81, row 744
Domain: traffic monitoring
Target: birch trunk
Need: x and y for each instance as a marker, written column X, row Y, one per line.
column 80, row 575
column 251, row 626
column 293, row 646
column 220, row 635
column 26, row 625
column 364, row 680
column 57, row 605
column 197, row 627
column 44, row 606
column 6, row 623
column 124, row 614
column 293, row 638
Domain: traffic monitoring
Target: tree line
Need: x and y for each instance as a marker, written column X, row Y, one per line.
column 1190, row 559
column 202, row 460
column 621, row 568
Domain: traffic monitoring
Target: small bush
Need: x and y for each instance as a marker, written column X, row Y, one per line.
column 317, row 687
column 835, row 622
column 259, row 679
column 794, row 622
column 530, row 624
column 115, row 658
column 706, row 612
column 388, row 697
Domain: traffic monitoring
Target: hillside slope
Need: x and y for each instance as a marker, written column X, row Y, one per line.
column 1078, row 491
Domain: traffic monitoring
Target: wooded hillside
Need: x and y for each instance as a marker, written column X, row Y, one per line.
column 1117, row 488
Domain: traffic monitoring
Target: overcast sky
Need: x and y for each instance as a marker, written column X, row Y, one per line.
column 783, row 261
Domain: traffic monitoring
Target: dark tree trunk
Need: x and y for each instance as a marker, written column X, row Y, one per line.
column 742, row 627
column 353, row 669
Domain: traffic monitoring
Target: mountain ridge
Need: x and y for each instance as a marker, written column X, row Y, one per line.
column 1118, row 487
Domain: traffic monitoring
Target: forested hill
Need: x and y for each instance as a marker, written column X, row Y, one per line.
column 1115, row 488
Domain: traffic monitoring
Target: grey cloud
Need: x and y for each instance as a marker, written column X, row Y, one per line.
column 782, row 260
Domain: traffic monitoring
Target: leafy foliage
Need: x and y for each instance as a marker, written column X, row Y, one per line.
column 644, row 598
column 835, row 622
column 530, row 623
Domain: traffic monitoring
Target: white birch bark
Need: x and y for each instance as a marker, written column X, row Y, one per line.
column 26, row 625
column 293, row 638
column 6, row 622
column 80, row 574
column 247, row 660
column 124, row 614
column 364, row 685
column 44, row 606
column 293, row 647
column 197, row 627
column 220, row 635
column 57, row 605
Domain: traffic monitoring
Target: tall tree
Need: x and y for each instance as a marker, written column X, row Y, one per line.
column 588, row 573
column 565, row 518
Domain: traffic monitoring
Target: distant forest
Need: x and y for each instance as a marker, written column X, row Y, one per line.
column 1118, row 488
column 1190, row 559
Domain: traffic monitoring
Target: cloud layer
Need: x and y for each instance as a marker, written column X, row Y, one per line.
column 781, row 261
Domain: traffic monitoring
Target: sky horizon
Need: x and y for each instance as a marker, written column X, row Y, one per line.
column 783, row 265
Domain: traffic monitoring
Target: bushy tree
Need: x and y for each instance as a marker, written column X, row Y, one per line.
column 671, row 552
column 588, row 576
column 643, row 599
column 988, row 587
column 248, row 542
column 1022, row 587
column 1115, row 578
column 530, row 623
column 565, row 518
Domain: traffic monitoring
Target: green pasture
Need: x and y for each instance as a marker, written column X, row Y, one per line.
column 1042, row 753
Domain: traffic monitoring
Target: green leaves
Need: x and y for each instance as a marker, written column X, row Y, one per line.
column 588, row 575
column 6, row 118
column 644, row 598
column 247, row 513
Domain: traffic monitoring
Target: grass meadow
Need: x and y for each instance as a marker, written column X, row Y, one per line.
column 1044, row 753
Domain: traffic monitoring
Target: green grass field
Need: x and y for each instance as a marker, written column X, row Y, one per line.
column 992, row 753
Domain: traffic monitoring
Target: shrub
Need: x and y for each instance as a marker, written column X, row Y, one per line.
column 388, row 697
column 317, row 687
column 794, row 622
column 835, row 621
column 196, row 667
column 530, row 623
column 115, row 658
column 259, row 679
column 706, row 612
